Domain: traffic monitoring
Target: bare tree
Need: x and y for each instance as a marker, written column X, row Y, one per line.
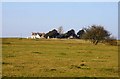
column 96, row 34
column 60, row 30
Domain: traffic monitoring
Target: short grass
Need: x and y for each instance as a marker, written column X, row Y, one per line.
column 58, row 58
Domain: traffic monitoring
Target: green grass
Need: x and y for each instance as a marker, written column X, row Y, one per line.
column 58, row 58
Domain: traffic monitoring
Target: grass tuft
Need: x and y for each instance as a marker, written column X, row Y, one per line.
column 11, row 56
column 82, row 65
column 6, row 42
column 63, row 54
column 5, row 63
column 37, row 52
column 53, row 69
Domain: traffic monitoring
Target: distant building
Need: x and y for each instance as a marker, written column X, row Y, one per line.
column 48, row 37
column 37, row 35
column 71, row 37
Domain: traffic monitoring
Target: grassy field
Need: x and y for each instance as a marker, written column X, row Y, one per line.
column 58, row 58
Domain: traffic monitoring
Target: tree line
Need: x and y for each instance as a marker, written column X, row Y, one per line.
column 94, row 33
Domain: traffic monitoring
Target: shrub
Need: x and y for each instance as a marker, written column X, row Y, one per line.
column 96, row 34
column 111, row 41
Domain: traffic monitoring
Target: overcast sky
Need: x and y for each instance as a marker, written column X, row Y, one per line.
column 22, row 18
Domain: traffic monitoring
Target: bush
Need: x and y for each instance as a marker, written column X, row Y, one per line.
column 111, row 41
column 96, row 34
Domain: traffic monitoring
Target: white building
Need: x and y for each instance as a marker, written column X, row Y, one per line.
column 36, row 35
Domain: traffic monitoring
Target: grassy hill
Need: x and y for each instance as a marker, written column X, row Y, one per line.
column 58, row 58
